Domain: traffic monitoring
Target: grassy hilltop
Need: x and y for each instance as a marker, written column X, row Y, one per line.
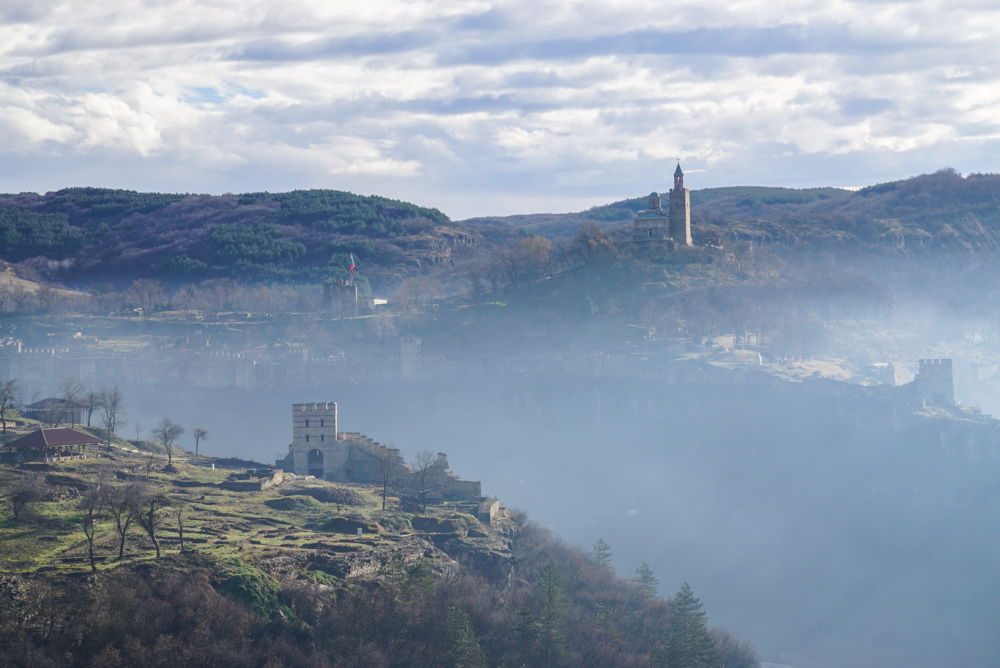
column 281, row 577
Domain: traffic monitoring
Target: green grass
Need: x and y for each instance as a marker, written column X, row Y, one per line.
column 221, row 525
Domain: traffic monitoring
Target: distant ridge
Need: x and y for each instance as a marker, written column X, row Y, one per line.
column 943, row 211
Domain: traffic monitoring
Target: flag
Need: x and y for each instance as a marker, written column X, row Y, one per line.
column 352, row 268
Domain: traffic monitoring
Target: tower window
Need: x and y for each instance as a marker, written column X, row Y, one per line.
column 307, row 438
column 322, row 422
column 322, row 437
column 307, row 423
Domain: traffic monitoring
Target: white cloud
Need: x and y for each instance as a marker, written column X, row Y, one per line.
column 482, row 104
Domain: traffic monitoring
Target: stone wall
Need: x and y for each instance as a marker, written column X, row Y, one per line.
column 250, row 482
column 318, row 449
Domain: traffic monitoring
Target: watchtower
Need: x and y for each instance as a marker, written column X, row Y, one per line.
column 315, row 449
column 680, row 210
column 935, row 382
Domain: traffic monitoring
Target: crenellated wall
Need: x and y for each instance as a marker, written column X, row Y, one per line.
column 318, row 449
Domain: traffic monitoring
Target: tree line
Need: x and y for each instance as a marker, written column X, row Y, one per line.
column 563, row 607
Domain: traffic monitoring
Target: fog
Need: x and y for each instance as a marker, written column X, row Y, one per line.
column 829, row 531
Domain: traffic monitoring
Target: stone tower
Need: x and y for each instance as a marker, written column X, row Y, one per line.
column 935, row 383
column 680, row 210
column 409, row 356
column 315, row 449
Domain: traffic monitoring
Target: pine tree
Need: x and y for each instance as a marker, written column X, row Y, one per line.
column 465, row 651
column 602, row 553
column 526, row 632
column 688, row 643
column 550, row 595
column 646, row 580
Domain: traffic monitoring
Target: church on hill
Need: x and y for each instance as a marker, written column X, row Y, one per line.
column 672, row 225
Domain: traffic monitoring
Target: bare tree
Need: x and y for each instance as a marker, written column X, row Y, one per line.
column 147, row 294
column 200, row 434
column 513, row 261
column 10, row 397
column 46, row 296
column 179, row 514
column 26, row 490
column 494, row 275
column 388, row 467
column 166, row 432
column 71, row 392
column 92, row 509
column 20, row 296
column 383, row 325
column 91, row 402
column 122, row 501
column 422, row 463
column 102, row 296
column 91, row 505
column 149, row 516
column 475, row 271
column 138, row 430
column 112, row 405
column 4, row 295
column 537, row 252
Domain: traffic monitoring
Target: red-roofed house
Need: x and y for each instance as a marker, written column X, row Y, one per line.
column 49, row 445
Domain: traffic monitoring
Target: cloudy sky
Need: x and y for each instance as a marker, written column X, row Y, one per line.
column 483, row 108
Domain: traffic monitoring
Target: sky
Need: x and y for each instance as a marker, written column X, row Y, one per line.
column 493, row 108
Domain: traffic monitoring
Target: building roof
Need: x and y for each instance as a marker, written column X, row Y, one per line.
column 678, row 170
column 54, row 438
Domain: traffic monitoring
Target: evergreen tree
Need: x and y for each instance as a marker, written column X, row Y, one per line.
column 688, row 643
column 551, row 600
column 465, row 651
column 646, row 580
column 602, row 553
column 526, row 632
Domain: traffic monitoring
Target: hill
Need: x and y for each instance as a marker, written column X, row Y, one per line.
column 90, row 234
column 86, row 235
column 217, row 574
column 939, row 211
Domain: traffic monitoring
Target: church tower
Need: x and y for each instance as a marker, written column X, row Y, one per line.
column 680, row 210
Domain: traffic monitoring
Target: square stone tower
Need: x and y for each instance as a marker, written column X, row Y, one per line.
column 315, row 447
column 680, row 210
column 935, row 382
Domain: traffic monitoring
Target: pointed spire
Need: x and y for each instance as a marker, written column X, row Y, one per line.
column 678, row 172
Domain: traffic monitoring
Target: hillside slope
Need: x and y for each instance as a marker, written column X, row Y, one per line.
column 217, row 574
column 939, row 211
column 87, row 234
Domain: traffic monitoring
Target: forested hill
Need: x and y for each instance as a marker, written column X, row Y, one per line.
column 935, row 211
column 305, row 235
column 83, row 235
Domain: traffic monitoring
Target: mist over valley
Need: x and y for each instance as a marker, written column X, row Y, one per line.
column 746, row 415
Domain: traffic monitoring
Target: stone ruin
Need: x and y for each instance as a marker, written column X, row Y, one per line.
column 319, row 449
